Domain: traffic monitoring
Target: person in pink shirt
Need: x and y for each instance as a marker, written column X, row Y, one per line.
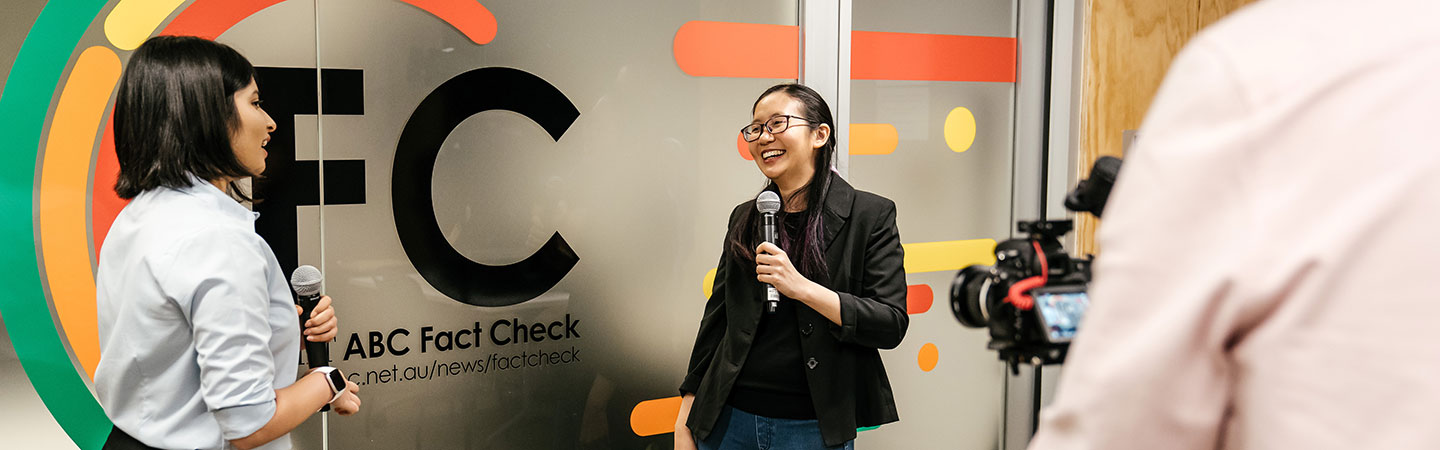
column 1266, row 279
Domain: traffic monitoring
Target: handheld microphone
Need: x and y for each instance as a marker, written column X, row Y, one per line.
column 306, row 282
column 768, row 203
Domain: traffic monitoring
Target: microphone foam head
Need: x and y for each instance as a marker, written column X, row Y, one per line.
column 306, row 280
column 768, row 202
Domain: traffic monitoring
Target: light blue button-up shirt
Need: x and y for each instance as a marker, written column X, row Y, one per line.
column 197, row 326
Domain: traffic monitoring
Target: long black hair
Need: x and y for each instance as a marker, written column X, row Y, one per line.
column 806, row 252
column 174, row 114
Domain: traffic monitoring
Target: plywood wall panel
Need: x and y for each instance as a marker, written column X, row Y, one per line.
column 1129, row 46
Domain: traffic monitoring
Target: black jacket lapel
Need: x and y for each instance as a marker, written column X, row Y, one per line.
column 838, row 201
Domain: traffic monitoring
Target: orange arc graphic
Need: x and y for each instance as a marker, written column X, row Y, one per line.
column 210, row 19
column 876, row 55
column 65, row 174
column 652, row 417
column 468, row 16
column 742, row 50
column 918, row 298
column 873, row 138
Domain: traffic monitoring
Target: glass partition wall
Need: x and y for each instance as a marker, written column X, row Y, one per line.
column 932, row 114
column 519, row 206
column 580, row 162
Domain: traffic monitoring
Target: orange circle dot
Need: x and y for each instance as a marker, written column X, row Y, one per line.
column 929, row 356
column 743, row 147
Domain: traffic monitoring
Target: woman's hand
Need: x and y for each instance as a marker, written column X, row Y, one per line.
column 349, row 402
column 773, row 266
column 322, row 325
column 683, row 439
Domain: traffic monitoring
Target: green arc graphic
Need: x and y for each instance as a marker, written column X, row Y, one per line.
column 23, row 106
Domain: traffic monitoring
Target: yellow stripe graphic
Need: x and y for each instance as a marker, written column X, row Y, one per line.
column 922, row 257
column 948, row 255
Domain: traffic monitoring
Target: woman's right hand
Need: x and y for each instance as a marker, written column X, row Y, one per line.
column 683, row 439
column 349, row 402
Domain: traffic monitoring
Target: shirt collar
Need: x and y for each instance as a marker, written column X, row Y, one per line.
column 221, row 201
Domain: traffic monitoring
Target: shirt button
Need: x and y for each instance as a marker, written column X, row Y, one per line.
column 812, row 363
column 807, row 329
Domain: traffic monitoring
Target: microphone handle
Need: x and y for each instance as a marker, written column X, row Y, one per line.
column 768, row 225
column 317, row 354
column 772, row 297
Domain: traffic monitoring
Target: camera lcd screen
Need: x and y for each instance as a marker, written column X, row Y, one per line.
column 1060, row 311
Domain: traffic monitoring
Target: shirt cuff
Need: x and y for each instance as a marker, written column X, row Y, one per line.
column 240, row 421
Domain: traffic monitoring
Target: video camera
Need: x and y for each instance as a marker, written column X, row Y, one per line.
column 1034, row 297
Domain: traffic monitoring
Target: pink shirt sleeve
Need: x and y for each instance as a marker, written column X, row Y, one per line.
column 1149, row 370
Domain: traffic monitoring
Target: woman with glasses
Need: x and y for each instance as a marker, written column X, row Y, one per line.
column 809, row 374
column 198, row 332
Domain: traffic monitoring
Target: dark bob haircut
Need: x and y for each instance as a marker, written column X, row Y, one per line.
column 174, row 114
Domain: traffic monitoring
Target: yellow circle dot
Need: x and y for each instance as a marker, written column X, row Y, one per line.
column 929, row 356
column 709, row 285
column 959, row 129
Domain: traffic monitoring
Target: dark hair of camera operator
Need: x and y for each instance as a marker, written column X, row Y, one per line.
column 198, row 331
column 810, row 370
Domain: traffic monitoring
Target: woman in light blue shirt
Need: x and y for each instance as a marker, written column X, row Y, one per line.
column 198, row 330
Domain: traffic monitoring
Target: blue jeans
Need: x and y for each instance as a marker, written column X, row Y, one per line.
column 739, row 430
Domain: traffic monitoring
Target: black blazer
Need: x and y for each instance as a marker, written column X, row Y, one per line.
column 846, row 378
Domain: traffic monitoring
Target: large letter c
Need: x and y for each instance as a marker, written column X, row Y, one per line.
column 432, row 122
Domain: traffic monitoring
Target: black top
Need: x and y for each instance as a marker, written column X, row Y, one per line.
column 772, row 380
column 847, row 382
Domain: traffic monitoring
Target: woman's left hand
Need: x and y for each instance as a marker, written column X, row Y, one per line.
column 773, row 266
column 322, row 325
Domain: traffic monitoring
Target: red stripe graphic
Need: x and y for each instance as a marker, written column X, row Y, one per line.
column 742, row 50
column 748, row 50
column 104, row 203
column 878, row 55
column 211, row 18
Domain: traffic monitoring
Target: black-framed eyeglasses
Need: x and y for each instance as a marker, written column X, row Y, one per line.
column 776, row 125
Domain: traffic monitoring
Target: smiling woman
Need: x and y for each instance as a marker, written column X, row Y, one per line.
column 252, row 127
column 773, row 376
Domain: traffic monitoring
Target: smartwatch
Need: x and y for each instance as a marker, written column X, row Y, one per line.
column 336, row 381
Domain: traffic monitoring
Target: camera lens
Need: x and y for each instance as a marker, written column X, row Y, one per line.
column 968, row 296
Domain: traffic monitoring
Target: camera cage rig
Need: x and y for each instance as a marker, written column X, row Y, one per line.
column 1034, row 261
column 1059, row 269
